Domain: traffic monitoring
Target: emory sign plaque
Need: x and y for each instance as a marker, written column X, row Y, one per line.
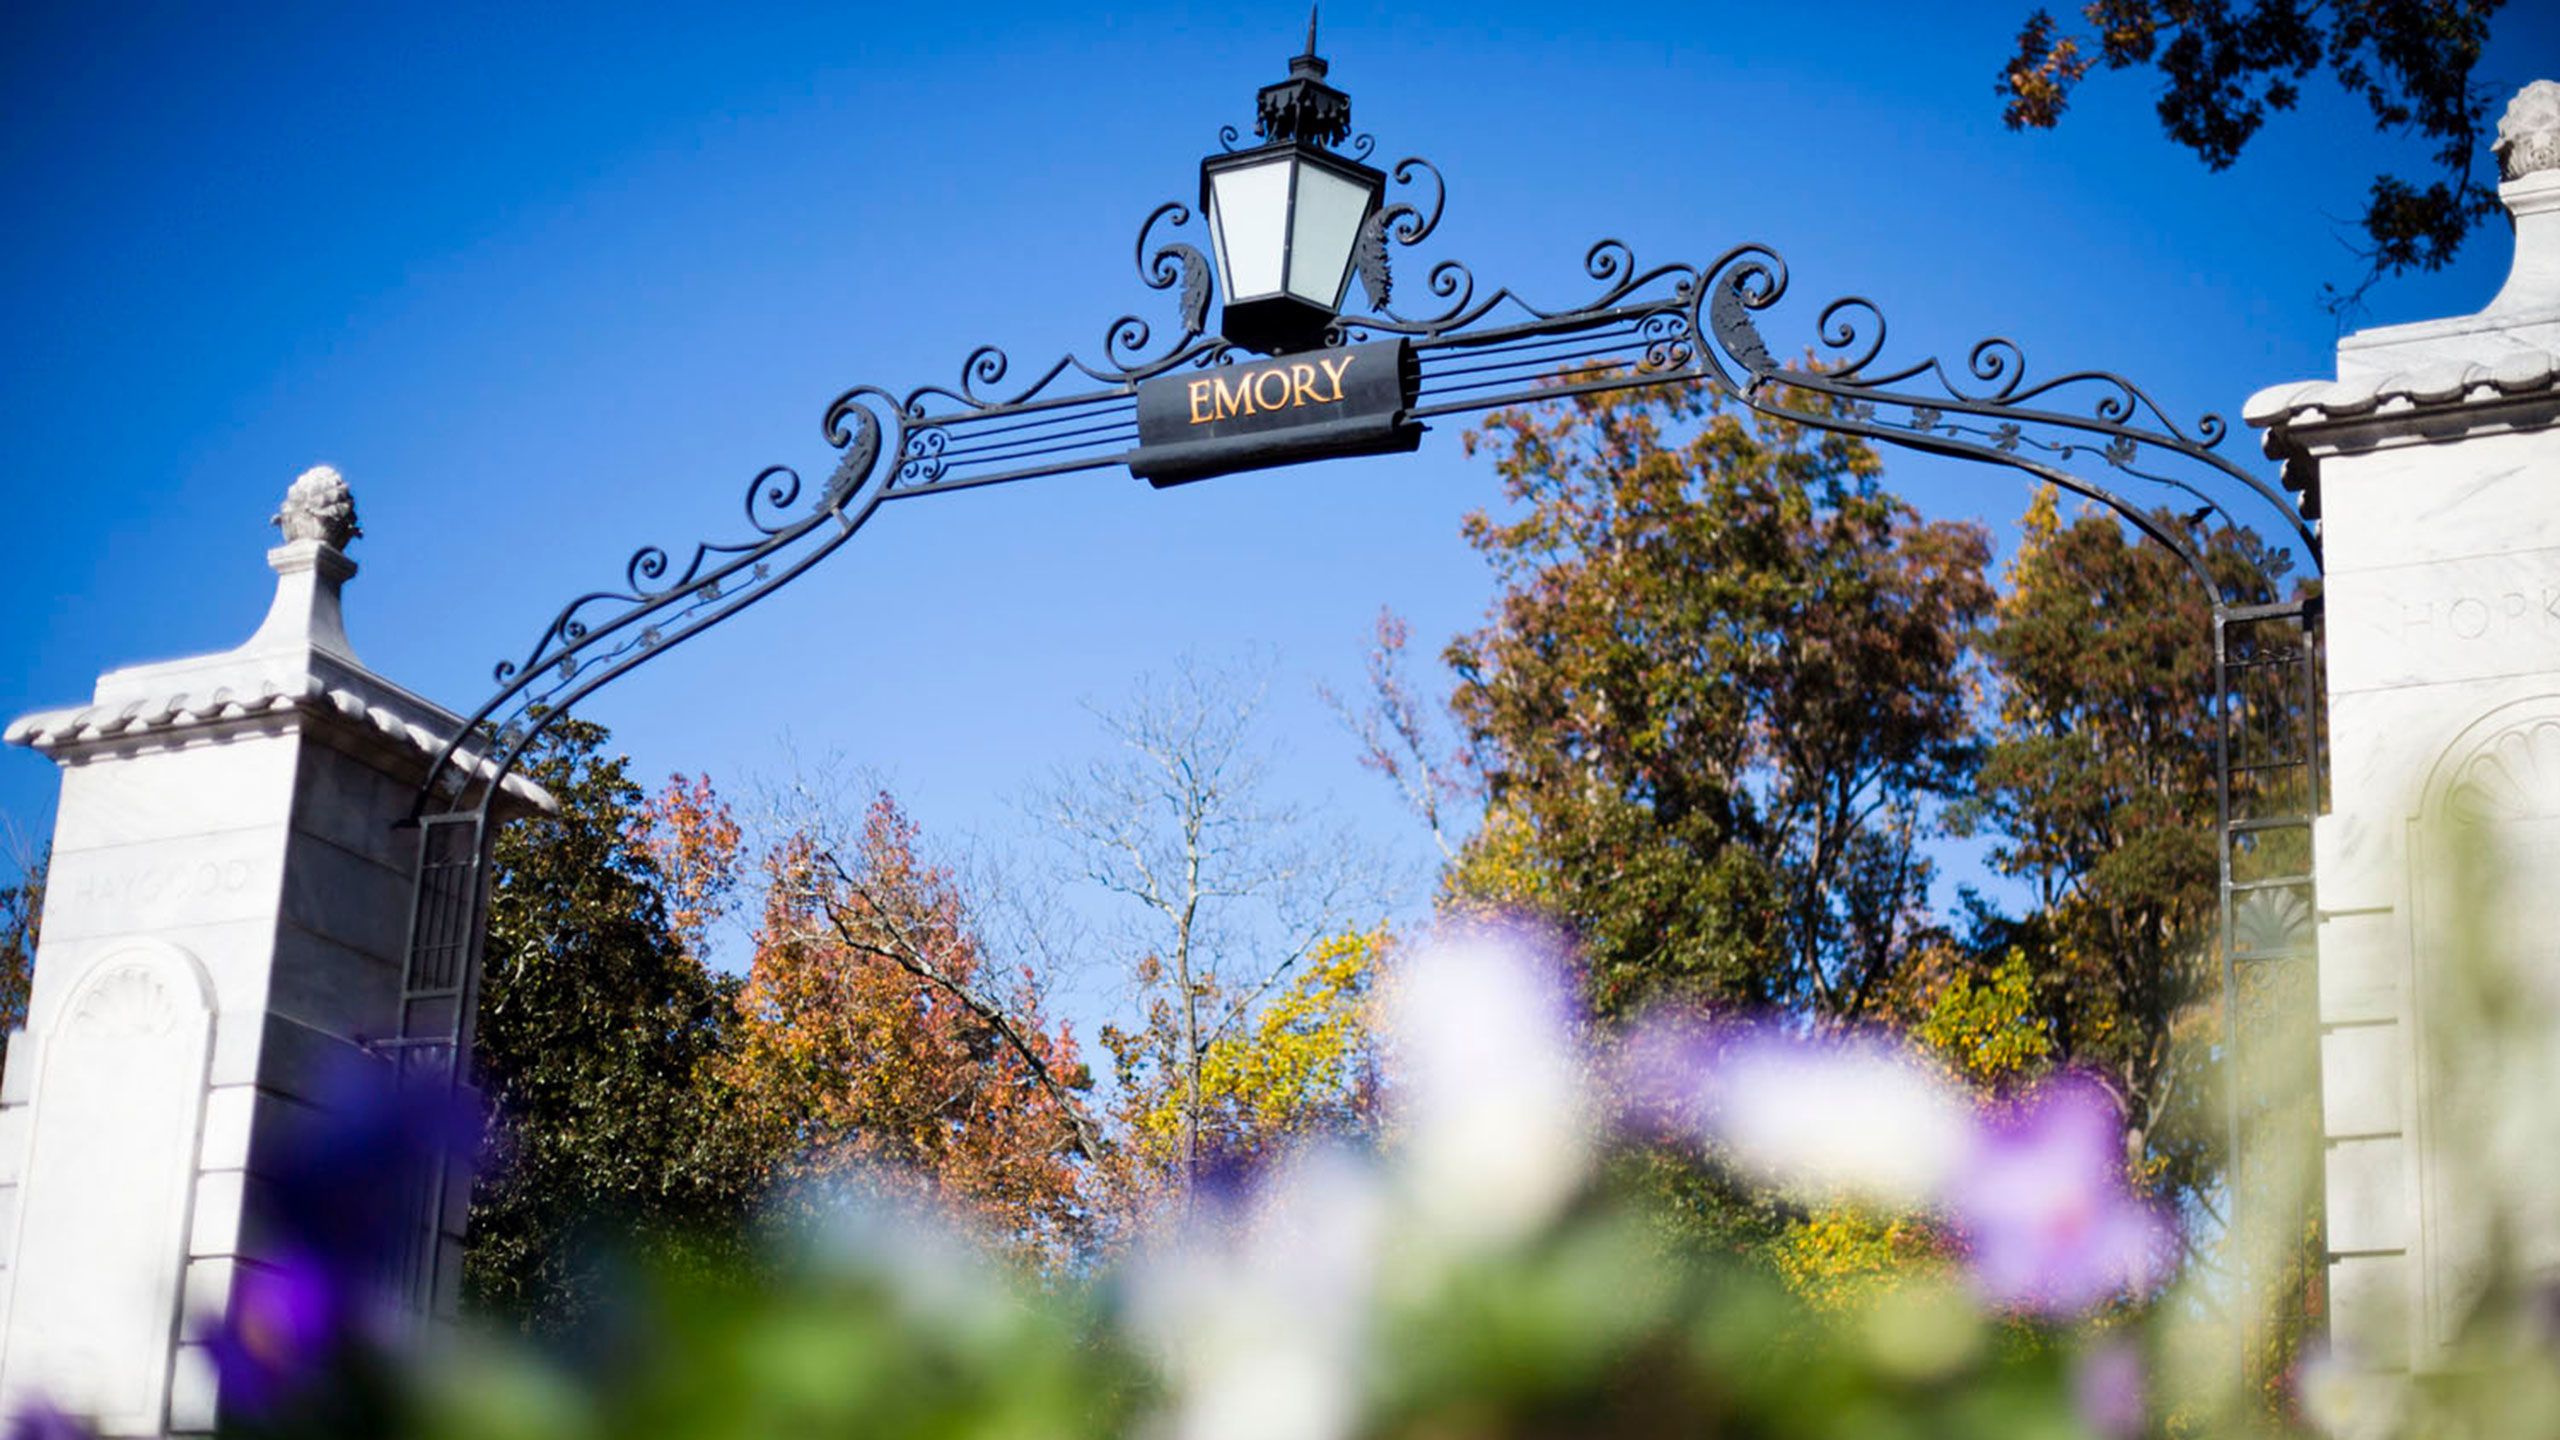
column 1347, row 400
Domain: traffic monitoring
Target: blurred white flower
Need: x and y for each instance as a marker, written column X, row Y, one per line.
column 1487, row 1088
column 2345, row 1401
column 1259, row 1314
column 1821, row 1118
column 877, row 1221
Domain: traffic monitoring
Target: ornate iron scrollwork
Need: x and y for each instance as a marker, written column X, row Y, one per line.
column 1645, row 324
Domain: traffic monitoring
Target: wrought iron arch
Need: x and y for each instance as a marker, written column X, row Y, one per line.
column 2090, row 432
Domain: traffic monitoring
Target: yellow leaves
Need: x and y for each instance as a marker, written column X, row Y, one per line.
column 1988, row 1028
column 2037, row 530
column 1299, row 1058
column 1844, row 1258
column 1502, row 867
column 1295, row 1066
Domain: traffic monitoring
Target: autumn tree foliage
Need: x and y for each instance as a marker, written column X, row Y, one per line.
column 882, row 1045
column 695, row 838
column 1304, row 1066
column 2098, row 786
column 1721, row 689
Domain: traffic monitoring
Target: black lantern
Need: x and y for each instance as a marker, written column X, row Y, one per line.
column 1290, row 219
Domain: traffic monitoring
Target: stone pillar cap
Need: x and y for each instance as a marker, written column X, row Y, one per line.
column 297, row 669
column 2508, row 352
column 2528, row 150
column 318, row 519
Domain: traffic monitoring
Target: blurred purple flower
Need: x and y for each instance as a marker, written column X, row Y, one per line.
column 286, row 1323
column 2036, row 1194
column 1659, row 1074
column 42, row 1420
column 346, row 1184
column 2043, row 1212
column 1228, row 1177
column 2106, row 1388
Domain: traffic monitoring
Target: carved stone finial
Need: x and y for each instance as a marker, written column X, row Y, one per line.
column 319, row 507
column 2529, row 133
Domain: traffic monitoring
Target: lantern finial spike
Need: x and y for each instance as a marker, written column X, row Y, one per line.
column 1307, row 64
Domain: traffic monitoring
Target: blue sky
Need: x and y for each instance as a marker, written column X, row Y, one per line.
column 547, row 287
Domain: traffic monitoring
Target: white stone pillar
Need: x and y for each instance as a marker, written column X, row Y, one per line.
column 224, row 922
column 2433, row 464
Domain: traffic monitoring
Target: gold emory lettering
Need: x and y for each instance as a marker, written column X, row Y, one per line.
column 1302, row 385
column 1274, row 388
column 1230, row 403
column 1333, row 371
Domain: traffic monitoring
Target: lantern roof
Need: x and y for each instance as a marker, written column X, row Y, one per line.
column 1303, row 108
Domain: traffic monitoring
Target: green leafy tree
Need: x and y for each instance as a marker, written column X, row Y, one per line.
column 2099, row 787
column 596, row 1025
column 2100, row 784
column 1720, row 691
column 2226, row 67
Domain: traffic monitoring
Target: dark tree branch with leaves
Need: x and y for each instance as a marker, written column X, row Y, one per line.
column 2227, row 67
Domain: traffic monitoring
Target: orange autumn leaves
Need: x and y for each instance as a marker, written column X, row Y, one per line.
column 878, row 1045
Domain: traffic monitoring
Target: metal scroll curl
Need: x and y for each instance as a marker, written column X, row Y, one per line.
column 1986, row 408
column 933, row 437
column 604, row 633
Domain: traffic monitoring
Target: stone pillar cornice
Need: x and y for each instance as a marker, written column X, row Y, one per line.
column 2497, row 369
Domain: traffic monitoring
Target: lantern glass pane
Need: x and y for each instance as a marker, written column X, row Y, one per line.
column 1328, row 218
column 1249, row 213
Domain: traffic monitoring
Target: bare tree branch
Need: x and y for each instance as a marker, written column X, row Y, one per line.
column 1233, row 893
column 1395, row 738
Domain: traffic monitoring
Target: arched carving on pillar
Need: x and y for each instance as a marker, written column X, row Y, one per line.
column 2484, row 855
column 106, row 1206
